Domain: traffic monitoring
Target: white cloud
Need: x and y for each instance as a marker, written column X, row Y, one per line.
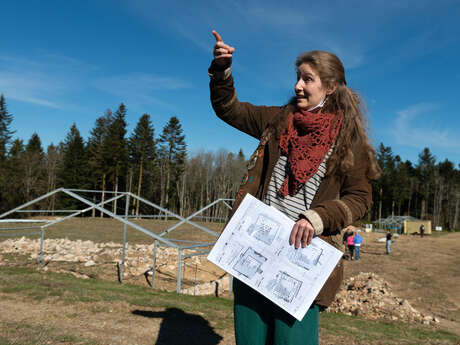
column 44, row 80
column 30, row 87
column 53, row 80
column 139, row 88
column 412, row 129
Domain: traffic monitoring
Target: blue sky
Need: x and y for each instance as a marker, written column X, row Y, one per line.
column 68, row 61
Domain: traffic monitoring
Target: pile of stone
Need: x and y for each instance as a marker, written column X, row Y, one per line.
column 138, row 257
column 369, row 296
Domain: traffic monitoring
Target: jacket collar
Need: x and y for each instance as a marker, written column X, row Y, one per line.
column 280, row 122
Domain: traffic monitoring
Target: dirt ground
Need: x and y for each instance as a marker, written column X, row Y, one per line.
column 425, row 271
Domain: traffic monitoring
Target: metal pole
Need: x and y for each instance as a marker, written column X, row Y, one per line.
column 154, row 267
column 93, row 191
column 179, row 265
column 228, row 206
column 16, row 234
column 30, row 202
column 122, row 270
column 45, row 211
column 194, row 282
column 21, row 228
column 42, row 235
column 230, row 286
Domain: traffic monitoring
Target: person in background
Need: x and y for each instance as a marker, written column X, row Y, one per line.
column 344, row 241
column 389, row 235
column 422, row 230
column 358, row 240
column 351, row 244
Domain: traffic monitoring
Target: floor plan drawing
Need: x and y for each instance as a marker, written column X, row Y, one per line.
column 284, row 286
column 264, row 229
column 305, row 259
column 249, row 263
column 254, row 248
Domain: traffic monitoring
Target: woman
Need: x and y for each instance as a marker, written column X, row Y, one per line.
column 351, row 244
column 313, row 162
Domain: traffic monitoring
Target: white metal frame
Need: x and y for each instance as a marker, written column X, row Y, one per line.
column 199, row 248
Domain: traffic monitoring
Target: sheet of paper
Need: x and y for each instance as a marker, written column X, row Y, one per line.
column 254, row 248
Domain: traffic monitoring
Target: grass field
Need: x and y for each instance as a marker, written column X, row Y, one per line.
column 57, row 308
column 61, row 309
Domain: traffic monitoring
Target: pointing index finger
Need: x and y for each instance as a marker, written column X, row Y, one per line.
column 217, row 36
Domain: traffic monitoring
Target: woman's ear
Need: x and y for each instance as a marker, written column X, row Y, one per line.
column 331, row 89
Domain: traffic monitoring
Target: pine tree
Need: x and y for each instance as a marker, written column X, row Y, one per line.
column 12, row 173
column 73, row 171
column 33, row 163
column 455, row 215
column 384, row 188
column 52, row 162
column 16, row 149
column 115, row 149
column 425, row 170
column 34, row 145
column 97, row 161
column 444, row 174
column 401, row 183
column 142, row 152
column 240, row 166
column 173, row 154
column 5, row 131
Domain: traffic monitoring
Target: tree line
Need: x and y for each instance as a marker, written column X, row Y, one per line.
column 156, row 168
column 426, row 190
column 159, row 169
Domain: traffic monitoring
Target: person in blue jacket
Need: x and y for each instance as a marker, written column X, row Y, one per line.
column 389, row 235
column 358, row 241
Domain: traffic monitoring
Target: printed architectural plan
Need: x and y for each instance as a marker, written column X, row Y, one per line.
column 254, row 248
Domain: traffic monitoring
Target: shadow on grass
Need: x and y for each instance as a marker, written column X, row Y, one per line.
column 181, row 328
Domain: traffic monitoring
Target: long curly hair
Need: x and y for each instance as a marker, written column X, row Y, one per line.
column 353, row 129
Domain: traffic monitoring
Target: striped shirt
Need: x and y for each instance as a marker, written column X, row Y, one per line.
column 293, row 206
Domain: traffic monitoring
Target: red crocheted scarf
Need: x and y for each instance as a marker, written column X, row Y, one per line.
column 306, row 140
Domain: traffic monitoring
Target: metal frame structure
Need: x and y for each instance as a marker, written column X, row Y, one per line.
column 198, row 248
column 393, row 222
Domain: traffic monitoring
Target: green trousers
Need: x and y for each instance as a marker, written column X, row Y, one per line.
column 260, row 322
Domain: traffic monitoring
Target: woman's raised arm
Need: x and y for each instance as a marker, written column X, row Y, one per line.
column 243, row 116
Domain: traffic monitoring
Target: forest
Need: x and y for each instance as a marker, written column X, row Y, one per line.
column 158, row 168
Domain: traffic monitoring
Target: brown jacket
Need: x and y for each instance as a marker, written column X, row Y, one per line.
column 339, row 200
